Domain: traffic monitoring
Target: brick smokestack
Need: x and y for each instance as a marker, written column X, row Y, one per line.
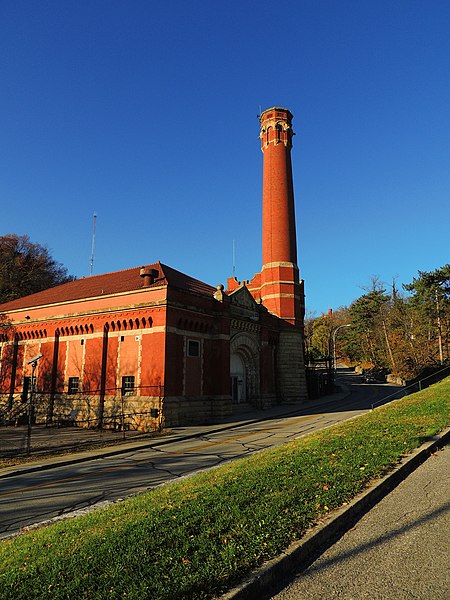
column 279, row 242
column 281, row 289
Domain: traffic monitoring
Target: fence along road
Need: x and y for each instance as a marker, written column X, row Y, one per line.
column 29, row 496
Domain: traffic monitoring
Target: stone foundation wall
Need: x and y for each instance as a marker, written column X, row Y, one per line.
column 180, row 410
column 264, row 402
column 134, row 413
column 291, row 368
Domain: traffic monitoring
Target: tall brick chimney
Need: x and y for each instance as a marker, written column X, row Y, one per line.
column 281, row 290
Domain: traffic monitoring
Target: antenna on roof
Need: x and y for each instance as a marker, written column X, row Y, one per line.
column 234, row 259
column 93, row 245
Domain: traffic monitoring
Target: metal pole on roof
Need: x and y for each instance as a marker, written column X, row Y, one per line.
column 234, row 259
column 93, row 245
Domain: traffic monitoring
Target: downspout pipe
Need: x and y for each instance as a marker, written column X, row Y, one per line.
column 12, row 385
column 101, row 404
column 51, row 403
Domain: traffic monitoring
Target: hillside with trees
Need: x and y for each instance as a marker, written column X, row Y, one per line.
column 404, row 332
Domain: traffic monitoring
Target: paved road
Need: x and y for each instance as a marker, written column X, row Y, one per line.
column 33, row 497
column 400, row 550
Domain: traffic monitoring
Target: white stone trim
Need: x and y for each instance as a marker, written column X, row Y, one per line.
column 139, row 366
column 125, row 308
column 272, row 265
column 279, row 281
column 269, row 296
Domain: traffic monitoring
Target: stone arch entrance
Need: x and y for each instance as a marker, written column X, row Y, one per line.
column 238, row 379
column 244, row 368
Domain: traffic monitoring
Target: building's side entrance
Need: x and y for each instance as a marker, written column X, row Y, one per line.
column 244, row 368
column 238, row 379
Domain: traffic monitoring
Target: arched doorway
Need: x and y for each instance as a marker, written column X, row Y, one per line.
column 238, row 379
column 244, row 368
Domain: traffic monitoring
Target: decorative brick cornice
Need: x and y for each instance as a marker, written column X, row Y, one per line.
column 276, row 127
column 239, row 325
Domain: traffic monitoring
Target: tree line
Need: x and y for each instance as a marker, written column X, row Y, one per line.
column 401, row 331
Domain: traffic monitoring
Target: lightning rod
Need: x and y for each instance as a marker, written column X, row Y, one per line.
column 91, row 270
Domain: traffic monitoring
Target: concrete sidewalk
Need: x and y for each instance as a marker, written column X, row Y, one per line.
column 399, row 550
column 267, row 581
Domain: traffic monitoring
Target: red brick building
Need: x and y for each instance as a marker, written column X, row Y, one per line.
column 151, row 346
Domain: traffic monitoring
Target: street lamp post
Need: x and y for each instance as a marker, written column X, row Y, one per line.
column 334, row 345
column 33, row 362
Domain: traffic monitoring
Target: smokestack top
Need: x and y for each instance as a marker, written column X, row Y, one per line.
column 276, row 112
column 276, row 127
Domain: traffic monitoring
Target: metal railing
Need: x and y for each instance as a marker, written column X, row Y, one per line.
column 418, row 385
column 114, row 410
column 319, row 377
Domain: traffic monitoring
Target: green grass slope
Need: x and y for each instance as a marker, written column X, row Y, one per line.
column 197, row 537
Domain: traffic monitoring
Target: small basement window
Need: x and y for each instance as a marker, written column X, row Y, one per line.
column 193, row 348
column 127, row 385
column 74, row 385
column 29, row 383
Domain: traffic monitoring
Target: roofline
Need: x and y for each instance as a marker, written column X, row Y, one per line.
column 80, row 300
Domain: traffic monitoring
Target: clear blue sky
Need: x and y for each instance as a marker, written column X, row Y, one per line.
column 145, row 112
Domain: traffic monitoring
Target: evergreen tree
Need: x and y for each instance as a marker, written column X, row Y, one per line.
column 431, row 301
column 369, row 315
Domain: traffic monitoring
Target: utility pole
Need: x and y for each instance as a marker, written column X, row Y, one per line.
column 438, row 314
column 334, row 345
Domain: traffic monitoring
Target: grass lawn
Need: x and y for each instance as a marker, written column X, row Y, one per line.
column 197, row 537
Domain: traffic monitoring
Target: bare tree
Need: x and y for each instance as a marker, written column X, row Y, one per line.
column 26, row 268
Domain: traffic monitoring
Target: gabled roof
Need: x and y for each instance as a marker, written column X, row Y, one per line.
column 242, row 297
column 108, row 284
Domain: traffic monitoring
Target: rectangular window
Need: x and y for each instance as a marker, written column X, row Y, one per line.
column 193, row 348
column 74, row 385
column 29, row 385
column 127, row 385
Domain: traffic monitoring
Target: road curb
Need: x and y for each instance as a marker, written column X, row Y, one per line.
column 86, row 455
column 301, row 554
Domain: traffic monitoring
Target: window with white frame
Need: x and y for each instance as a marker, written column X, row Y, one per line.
column 73, row 386
column 127, row 385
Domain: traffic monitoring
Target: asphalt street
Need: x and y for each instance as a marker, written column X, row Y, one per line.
column 400, row 550
column 36, row 493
